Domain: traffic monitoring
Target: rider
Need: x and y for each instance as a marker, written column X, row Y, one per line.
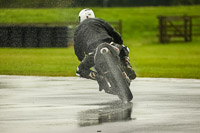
column 90, row 33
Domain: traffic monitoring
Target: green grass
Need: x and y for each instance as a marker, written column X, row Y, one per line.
column 140, row 29
column 174, row 60
column 53, row 62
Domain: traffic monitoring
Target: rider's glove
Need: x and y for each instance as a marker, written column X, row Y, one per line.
column 125, row 50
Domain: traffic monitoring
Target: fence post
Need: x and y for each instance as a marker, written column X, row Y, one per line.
column 190, row 26
column 185, row 28
column 163, row 37
column 160, row 28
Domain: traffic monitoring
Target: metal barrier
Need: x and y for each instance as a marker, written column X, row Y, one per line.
column 41, row 34
column 33, row 36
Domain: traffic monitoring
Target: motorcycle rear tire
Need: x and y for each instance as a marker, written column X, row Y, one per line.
column 116, row 78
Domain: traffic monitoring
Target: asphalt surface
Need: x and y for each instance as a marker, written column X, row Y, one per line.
column 31, row 104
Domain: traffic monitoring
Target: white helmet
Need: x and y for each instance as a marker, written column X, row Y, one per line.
column 85, row 14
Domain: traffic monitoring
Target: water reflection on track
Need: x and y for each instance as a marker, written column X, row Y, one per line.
column 112, row 112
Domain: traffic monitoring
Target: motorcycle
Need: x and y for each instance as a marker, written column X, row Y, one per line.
column 112, row 70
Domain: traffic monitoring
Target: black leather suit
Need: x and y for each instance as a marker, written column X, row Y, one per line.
column 88, row 35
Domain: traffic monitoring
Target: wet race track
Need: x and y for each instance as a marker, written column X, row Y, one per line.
column 74, row 105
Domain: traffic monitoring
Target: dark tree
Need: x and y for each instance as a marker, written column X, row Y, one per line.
column 91, row 3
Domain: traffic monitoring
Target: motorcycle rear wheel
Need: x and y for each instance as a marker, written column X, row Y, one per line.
column 115, row 76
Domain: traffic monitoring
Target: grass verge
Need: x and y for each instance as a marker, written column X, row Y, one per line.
column 175, row 60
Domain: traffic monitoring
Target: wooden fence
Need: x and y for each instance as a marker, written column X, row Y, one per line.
column 178, row 27
column 41, row 34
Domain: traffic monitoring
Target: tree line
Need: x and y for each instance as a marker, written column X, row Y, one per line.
column 134, row 3
column 92, row 3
